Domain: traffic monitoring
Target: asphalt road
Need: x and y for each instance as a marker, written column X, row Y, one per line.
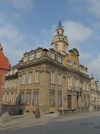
column 89, row 125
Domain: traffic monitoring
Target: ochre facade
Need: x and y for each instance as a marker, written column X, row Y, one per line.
column 51, row 80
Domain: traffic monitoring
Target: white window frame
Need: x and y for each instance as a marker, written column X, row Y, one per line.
column 29, row 78
column 59, row 79
column 23, row 78
column 69, row 82
column 37, row 76
column 52, row 77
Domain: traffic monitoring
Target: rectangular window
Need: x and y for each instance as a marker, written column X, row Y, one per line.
column 69, row 82
column 83, row 86
column 52, row 77
column 59, row 79
column 21, row 98
column 32, row 56
column 59, row 99
column 35, row 98
column 87, row 87
column 52, row 56
column 37, row 76
column 85, row 100
column 52, row 98
column 9, row 84
column 29, row 78
column 28, row 97
column 59, row 59
column 23, row 78
column 77, row 85
column 25, row 59
column 38, row 54
column 13, row 83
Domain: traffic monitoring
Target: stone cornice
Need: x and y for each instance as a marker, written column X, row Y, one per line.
column 49, row 61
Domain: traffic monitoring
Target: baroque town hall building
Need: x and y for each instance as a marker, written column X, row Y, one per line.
column 51, row 80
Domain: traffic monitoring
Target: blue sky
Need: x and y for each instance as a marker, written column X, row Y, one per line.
column 28, row 24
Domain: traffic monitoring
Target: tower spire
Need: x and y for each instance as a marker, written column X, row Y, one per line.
column 60, row 28
column 60, row 42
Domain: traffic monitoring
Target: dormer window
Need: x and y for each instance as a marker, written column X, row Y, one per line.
column 25, row 59
column 52, row 56
column 38, row 54
column 32, row 56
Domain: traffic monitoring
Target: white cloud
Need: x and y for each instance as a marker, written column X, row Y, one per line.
column 77, row 32
column 12, row 53
column 10, row 32
column 12, row 38
column 94, row 7
column 84, row 57
column 21, row 4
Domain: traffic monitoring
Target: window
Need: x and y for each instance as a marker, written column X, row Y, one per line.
column 8, row 84
column 52, row 77
column 25, row 59
column 87, row 87
column 52, row 98
column 69, row 62
column 52, row 56
column 32, row 56
column 59, row 59
column 22, row 98
column 59, row 79
column 59, row 98
column 56, row 47
column 77, row 85
column 69, row 81
column 23, row 78
column 13, row 83
column 38, row 54
column 29, row 78
column 85, row 100
column 35, row 98
column 28, row 97
column 83, row 86
column 37, row 76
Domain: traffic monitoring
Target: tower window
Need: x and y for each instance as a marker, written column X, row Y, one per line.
column 56, row 47
column 58, row 32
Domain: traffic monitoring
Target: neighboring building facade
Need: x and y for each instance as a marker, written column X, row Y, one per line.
column 94, row 95
column 50, row 80
column 4, row 67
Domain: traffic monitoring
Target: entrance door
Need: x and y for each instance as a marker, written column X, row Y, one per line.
column 69, row 102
